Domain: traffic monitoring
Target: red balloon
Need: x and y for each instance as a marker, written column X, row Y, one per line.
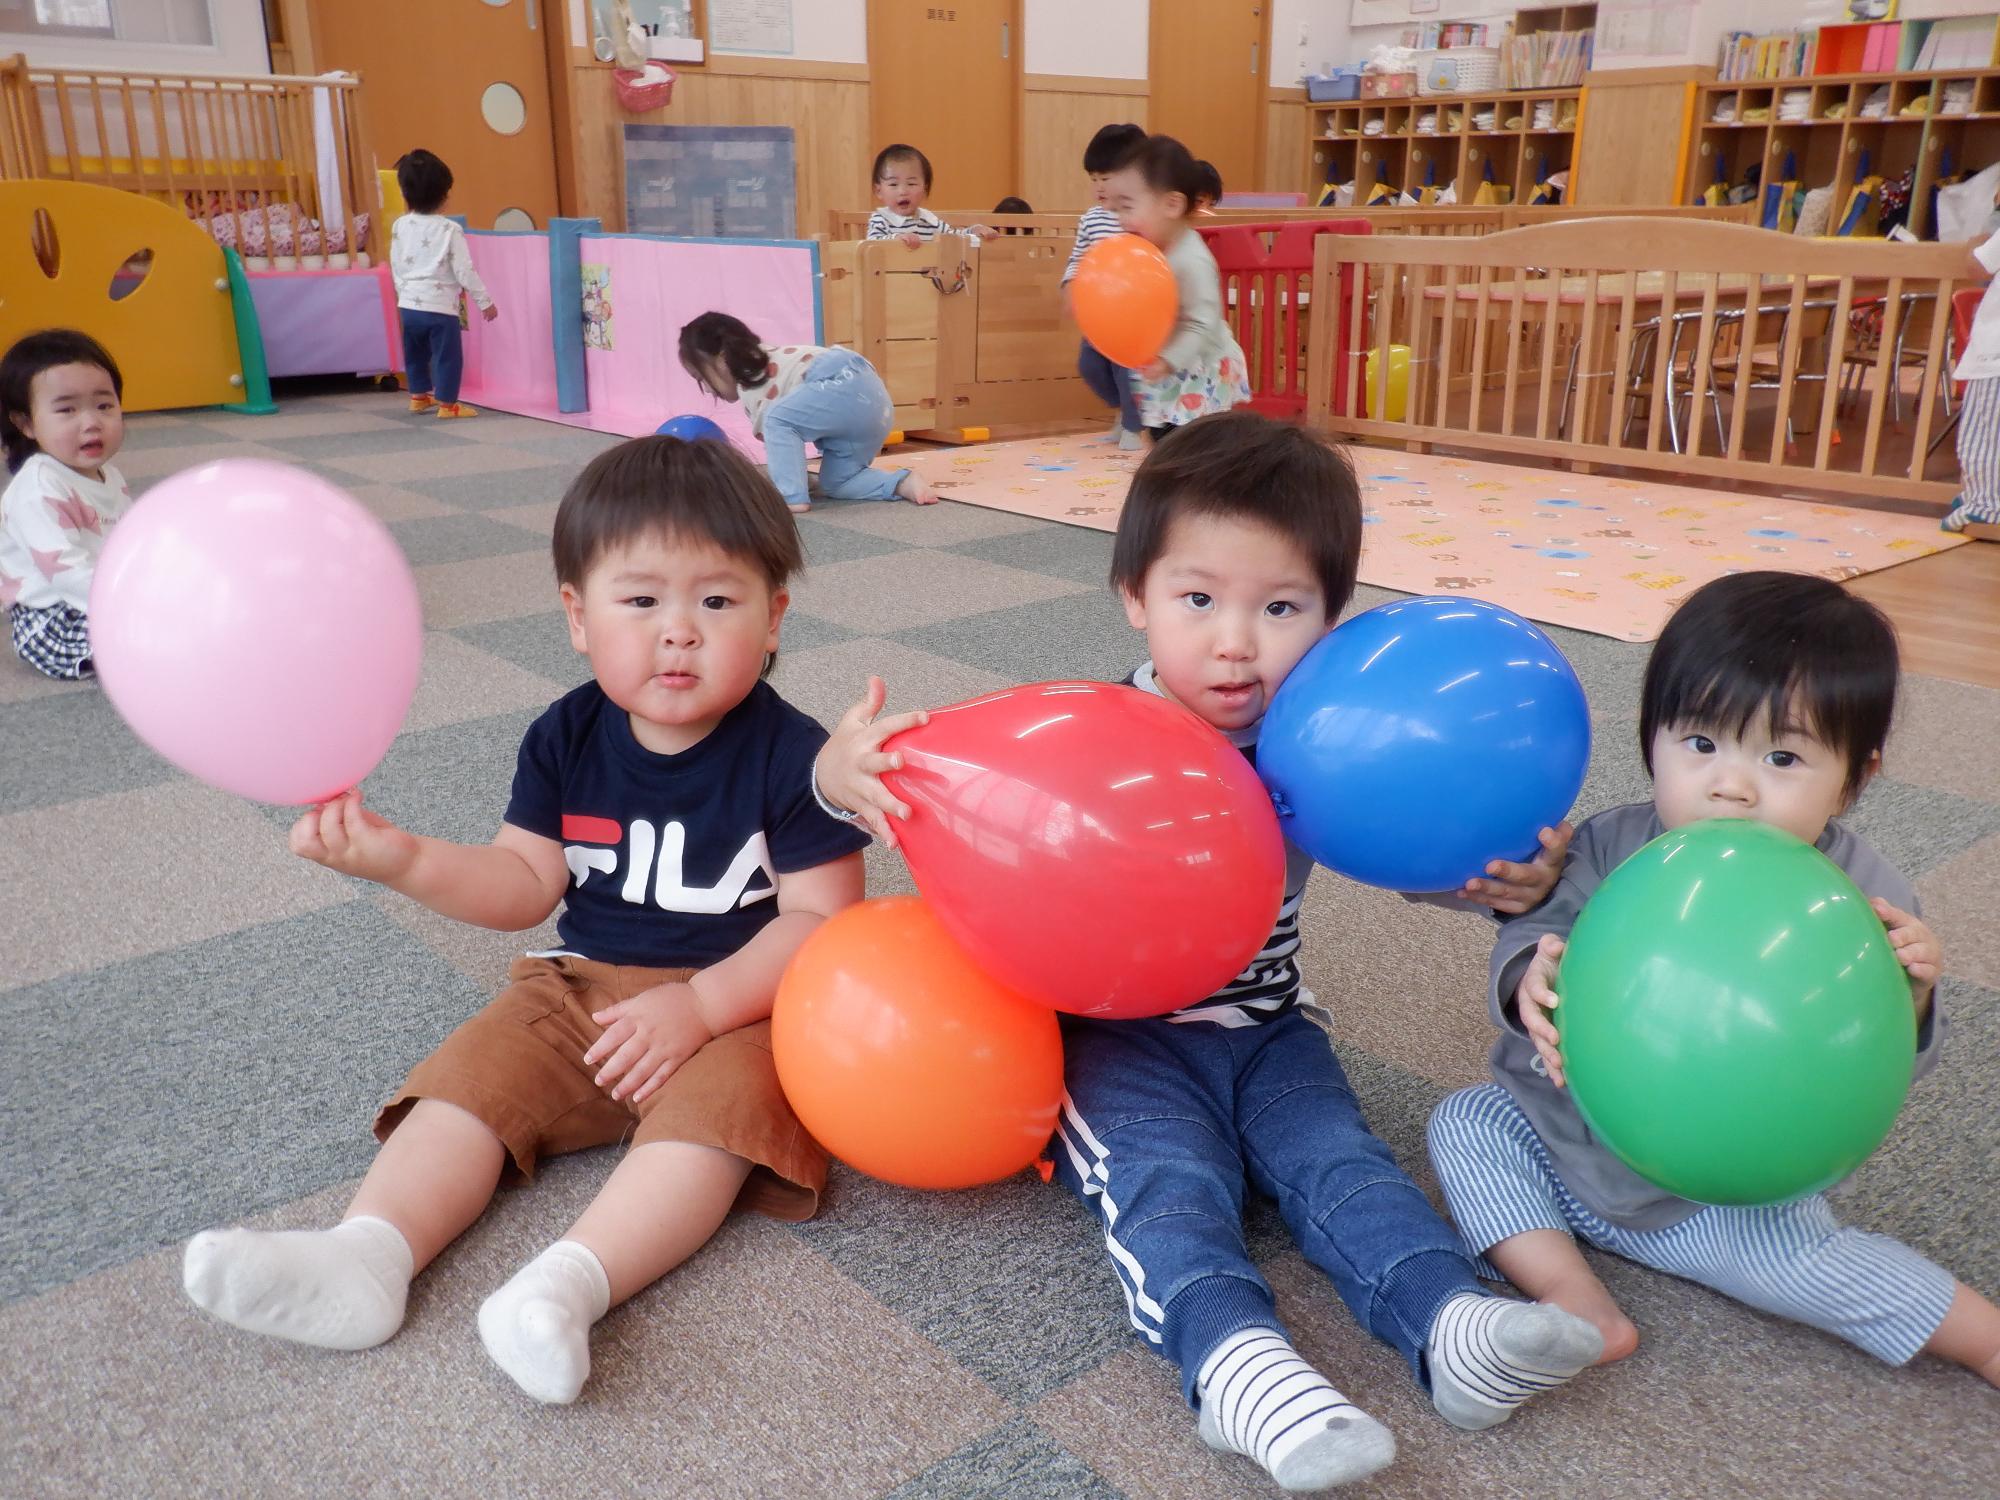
column 1091, row 846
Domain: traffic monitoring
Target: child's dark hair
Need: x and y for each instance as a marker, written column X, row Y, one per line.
column 716, row 334
column 889, row 155
column 1800, row 652
column 1208, row 183
column 33, row 353
column 424, row 179
column 1243, row 466
column 1111, row 148
column 663, row 487
column 1167, row 167
column 1012, row 205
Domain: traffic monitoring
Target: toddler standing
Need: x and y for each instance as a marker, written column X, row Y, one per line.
column 1977, row 509
column 902, row 181
column 59, row 408
column 431, row 265
column 1110, row 382
column 1202, row 368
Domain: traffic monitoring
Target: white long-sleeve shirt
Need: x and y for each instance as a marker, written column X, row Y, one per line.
column 430, row 261
column 53, row 522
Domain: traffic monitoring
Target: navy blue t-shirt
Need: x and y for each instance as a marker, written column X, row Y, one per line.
column 673, row 859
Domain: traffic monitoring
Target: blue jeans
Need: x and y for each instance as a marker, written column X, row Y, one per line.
column 1162, row 1124
column 1110, row 383
column 843, row 408
column 433, row 356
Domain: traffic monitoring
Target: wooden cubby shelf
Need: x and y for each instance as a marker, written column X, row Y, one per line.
column 1456, row 153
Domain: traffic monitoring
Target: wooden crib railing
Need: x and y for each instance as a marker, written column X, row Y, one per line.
column 1711, row 349
column 242, row 150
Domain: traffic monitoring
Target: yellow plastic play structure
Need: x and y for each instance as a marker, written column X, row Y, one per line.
column 75, row 255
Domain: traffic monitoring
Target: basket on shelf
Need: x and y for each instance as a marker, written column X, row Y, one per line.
column 1388, row 85
column 1458, row 70
column 1332, row 87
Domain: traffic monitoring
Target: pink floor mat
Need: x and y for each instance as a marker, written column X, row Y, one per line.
column 1611, row 556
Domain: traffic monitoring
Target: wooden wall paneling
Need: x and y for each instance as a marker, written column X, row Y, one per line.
column 1059, row 115
column 1623, row 157
column 826, row 104
column 1284, row 144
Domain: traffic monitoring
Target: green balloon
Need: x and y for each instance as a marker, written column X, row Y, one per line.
column 1735, row 1026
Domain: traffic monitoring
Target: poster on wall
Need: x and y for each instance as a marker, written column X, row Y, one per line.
column 763, row 26
column 713, row 181
column 597, row 306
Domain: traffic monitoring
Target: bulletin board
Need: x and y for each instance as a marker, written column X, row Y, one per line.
column 711, row 181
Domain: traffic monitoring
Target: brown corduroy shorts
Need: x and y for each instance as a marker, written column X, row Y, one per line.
column 518, row 1067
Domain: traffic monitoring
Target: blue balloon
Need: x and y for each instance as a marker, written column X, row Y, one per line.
column 690, row 429
column 1423, row 738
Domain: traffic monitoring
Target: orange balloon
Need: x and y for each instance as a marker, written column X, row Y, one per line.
column 904, row 1060
column 1125, row 299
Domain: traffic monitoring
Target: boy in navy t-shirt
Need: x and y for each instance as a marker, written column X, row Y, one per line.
column 668, row 805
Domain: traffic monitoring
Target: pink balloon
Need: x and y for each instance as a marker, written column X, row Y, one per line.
column 259, row 629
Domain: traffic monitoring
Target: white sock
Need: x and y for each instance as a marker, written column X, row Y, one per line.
column 1489, row 1354
column 537, row 1326
column 339, row 1288
column 1259, row 1399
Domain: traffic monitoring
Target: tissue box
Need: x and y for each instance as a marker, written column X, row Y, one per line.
column 1388, row 85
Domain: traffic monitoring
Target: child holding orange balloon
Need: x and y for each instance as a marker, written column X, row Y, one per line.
column 1236, row 550
column 666, row 806
column 1201, row 368
column 1108, row 380
column 1768, row 697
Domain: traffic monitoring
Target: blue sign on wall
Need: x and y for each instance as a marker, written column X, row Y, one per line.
column 711, row 181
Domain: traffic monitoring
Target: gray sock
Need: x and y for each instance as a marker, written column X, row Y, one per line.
column 1259, row 1399
column 1489, row 1354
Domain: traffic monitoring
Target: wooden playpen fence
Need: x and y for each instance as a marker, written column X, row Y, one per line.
column 852, row 223
column 963, row 339
column 1713, row 349
column 242, row 150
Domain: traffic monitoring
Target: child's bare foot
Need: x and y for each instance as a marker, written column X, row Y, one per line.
column 1588, row 1299
column 914, row 489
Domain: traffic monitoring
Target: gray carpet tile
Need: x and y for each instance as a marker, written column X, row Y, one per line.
column 1061, row 552
column 1016, row 1462
column 538, row 642
column 256, row 1008
column 456, row 538
column 269, row 1050
column 1013, row 1279
column 98, row 752
column 1916, row 828
column 336, row 448
column 826, row 542
column 1081, row 635
column 497, row 491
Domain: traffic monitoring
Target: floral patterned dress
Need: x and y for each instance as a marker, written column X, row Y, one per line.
column 1208, row 371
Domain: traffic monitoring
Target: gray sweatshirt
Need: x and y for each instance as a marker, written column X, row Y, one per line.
column 1602, row 1183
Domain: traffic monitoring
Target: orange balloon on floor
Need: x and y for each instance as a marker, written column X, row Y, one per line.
column 1125, row 300
column 904, row 1060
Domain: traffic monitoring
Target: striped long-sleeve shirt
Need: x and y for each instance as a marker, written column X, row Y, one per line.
column 886, row 224
column 1099, row 223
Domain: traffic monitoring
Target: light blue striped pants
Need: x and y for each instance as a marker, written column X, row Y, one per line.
column 1790, row 1259
column 1979, row 449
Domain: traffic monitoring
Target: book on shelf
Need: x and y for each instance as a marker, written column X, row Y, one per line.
column 1749, row 57
column 1549, row 59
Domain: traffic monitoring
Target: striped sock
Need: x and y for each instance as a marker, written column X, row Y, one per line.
column 1489, row 1354
column 1259, row 1399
